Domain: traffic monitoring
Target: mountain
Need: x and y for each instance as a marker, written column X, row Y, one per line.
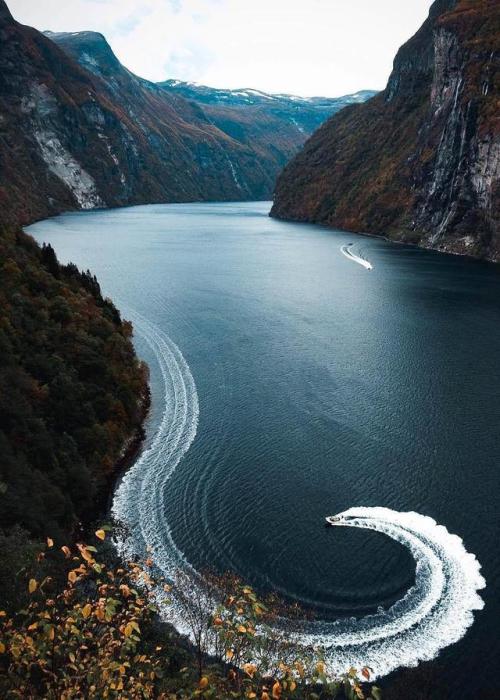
column 71, row 138
column 420, row 162
column 246, row 113
column 264, row 130
column 275, row 126
column 78, row 130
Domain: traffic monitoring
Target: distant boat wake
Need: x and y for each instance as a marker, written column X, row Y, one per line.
column 435, row 612
column 346, row 250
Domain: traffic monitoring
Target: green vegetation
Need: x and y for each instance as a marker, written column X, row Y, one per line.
column 88, row 630
column 71, row 390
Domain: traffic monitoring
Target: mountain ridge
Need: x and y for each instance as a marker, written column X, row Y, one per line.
column 78, row 130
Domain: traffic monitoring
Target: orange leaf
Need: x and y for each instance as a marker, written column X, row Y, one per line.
column 250, row 669
column 203, row 682
column 87, row 610
column 50, row 543
column 277, row 690
column 33, row 585
column 67, row 551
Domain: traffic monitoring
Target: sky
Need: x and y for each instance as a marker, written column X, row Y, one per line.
column 303, row 47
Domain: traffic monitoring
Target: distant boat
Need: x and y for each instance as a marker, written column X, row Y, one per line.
column 334, row 519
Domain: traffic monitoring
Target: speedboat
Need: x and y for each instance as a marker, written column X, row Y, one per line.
column 333, row 519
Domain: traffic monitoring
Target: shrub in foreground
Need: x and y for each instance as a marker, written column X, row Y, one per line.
column 93, row 632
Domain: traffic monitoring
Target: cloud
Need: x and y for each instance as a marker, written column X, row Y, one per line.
column 307, row 47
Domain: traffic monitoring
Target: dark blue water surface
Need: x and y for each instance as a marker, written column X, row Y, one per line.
column 321, row 386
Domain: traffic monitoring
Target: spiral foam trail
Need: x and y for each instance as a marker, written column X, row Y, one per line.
column 435, row 612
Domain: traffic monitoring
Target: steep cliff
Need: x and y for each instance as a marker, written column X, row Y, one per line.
column 419, row 162
column 71, row 138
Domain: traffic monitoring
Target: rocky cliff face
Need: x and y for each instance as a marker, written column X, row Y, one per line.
column 421, row 161
column 75, row 138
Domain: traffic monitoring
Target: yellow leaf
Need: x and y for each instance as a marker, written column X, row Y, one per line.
column 229, row 653
column 100, row 534
column 3, row 613
column 33, row 585
column 50, row 543
column 72, row 576
column 242, row 629
column 128, row 630
column 52, row 633
column 2, row 648
column 320, row 667
column 293, row 685
column 87, row 610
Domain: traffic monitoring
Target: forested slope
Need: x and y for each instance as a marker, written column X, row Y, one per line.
column 71, row 389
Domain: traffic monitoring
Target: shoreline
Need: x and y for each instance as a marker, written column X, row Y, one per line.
column 381, row 236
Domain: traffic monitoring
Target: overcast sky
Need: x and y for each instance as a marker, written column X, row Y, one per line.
column 305, row 47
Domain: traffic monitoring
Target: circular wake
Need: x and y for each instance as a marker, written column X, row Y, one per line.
column 435, row 612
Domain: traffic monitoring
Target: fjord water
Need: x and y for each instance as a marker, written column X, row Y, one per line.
column 321, row 386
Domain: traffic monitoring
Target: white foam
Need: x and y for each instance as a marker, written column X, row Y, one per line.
column 435, row 612
column 140, row 500
column 346, row 250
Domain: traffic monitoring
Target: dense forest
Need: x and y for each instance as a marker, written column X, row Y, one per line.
column 71, row 389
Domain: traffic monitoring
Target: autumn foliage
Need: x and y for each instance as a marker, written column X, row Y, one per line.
column 92, row 635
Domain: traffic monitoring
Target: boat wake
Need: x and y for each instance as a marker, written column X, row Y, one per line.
column 140, row 502
column 435, row 612
column 347, row 251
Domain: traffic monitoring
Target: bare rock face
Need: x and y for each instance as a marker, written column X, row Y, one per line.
column 421, row 161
